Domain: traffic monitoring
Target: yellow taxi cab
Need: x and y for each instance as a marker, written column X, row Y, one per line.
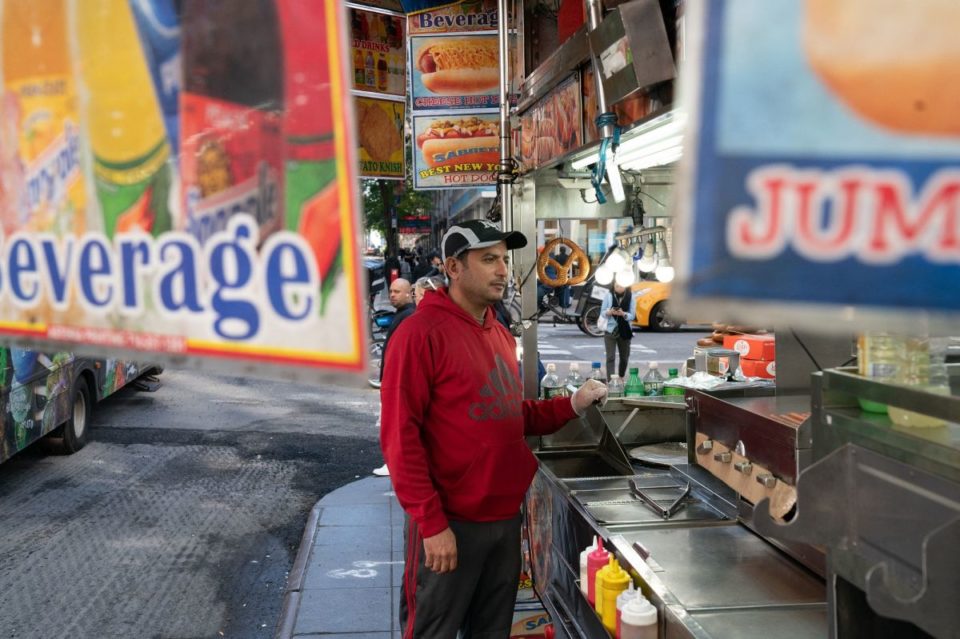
column 651, row 299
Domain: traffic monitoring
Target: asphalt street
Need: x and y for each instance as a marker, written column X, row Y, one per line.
column 182, row 516
column 566, row 343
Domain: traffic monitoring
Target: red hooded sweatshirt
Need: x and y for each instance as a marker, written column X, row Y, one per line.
column 453, row 417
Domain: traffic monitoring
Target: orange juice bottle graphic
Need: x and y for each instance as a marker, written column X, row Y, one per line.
column 132, row 160
column 41, row 171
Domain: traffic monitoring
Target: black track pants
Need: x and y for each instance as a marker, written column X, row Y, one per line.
column 477, row 598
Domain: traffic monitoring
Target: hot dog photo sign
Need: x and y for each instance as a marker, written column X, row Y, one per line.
column 458, row 71
column 455, row 150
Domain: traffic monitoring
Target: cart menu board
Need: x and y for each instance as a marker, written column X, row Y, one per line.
column 629, row 110
column 215, row 229
column 466, row 16
column 821, row 174
column 378, row 52
column 552, row 126
column 454, row 93
column 453, row 151
column 380, row 131
column 459, row 71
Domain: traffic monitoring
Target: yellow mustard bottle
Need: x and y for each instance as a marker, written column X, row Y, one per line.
column 614, row 581
column 598, row 584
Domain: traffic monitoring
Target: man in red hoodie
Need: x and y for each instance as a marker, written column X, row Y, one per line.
column 452, row 432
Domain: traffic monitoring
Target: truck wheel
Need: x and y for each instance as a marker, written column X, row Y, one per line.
column 75, row 429
column 661, row 320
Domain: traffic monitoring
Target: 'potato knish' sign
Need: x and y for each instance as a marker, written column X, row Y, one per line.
column 835, row 193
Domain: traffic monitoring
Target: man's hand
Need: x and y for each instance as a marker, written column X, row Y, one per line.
column 440, row 551
column 592, row 392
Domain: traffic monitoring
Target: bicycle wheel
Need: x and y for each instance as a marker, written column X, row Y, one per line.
column 375, row 355
column 588, row 321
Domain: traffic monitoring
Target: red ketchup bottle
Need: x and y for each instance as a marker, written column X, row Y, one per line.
column 595, row 561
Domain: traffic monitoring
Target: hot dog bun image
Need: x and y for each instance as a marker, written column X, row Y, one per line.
column 466, row 140
column 462, row 150
column 894, row 63
column 459, row 66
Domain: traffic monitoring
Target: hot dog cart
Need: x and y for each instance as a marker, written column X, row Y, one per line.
column 790, row 512
column 793, row 512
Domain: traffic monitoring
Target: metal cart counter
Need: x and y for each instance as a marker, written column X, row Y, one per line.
column 682, row 533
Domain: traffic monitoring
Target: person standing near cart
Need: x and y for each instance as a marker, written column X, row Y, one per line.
column 617, row 308
column 453, row 427
column 401, row 298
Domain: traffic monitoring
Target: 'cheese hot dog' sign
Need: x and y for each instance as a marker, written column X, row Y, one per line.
column 825, row 184
column 455, row 151
column 454, row 72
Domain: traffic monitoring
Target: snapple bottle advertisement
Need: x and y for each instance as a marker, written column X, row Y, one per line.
column 254, row 134
column 231, row 115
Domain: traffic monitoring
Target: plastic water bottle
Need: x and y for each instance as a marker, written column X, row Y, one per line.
column 596, row 373
column 550, row 385
column 638, row 620
column 923, row 365
column 633, row 387
column 615, row 386
column 573, row 376
column 653, row 381
column 672, row 390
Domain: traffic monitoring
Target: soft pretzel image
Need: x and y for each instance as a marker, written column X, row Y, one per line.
column 577, row 258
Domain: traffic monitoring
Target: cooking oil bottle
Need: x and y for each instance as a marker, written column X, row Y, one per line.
column 923, row 366
column 879, row 356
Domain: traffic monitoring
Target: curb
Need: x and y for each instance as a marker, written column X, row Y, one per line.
column 290, row 605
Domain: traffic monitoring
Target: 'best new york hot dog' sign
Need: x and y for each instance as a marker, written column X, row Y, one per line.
column 453, row 151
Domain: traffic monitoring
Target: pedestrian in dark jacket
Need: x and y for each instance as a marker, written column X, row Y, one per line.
column 401, row 298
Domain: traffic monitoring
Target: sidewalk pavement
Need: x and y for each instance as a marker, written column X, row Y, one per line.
column 345, row 581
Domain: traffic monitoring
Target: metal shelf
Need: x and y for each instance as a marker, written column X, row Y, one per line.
column 883, row 500
column 838, row 420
